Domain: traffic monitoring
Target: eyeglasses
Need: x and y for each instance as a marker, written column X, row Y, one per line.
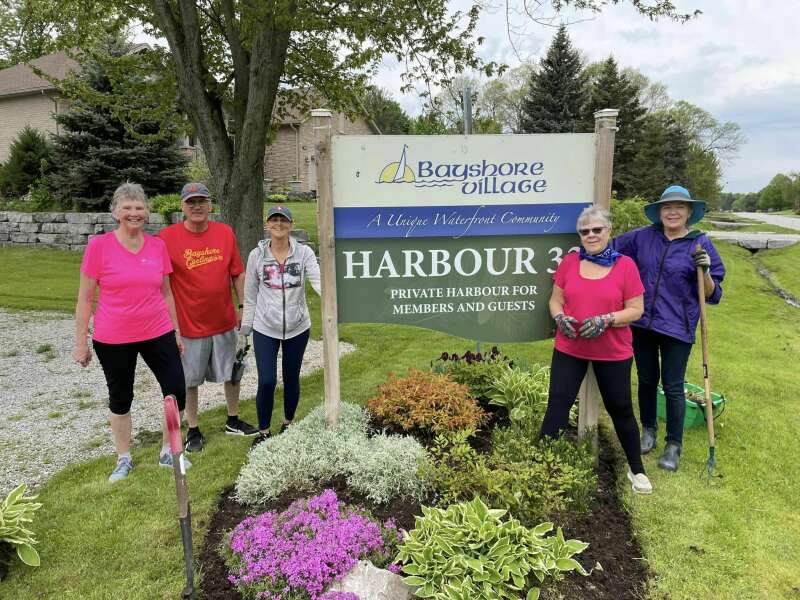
column 196, row 201
column 594, row 230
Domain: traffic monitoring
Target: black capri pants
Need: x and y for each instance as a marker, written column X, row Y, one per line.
column 161, row 354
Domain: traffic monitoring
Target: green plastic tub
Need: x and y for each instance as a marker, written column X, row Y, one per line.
column 695, row 413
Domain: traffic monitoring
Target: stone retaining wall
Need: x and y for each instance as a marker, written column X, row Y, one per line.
column 65, row 231
column 71, row 231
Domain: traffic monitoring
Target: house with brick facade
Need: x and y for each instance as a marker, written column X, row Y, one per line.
column 28, row 99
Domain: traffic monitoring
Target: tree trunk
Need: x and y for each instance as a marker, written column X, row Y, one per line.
column 242, row 206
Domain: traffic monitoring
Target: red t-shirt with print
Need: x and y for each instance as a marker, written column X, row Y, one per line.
column 585, row 298
column 203, row 265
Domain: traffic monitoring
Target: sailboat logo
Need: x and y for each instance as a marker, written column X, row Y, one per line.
column 397, row 172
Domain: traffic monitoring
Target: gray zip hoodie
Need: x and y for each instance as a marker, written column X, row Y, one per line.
column 274, row 294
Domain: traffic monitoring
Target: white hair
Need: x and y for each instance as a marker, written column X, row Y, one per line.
column 129, row 191
column 593, row 213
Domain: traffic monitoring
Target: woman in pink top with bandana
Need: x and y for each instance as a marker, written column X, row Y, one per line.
column 135, row 315
column 597, row 293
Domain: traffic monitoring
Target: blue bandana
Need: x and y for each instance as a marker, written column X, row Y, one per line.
column 606, row 258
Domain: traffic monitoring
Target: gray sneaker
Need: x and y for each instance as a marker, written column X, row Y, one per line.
column 165, row 460
column 648, row 439
column 121, row 471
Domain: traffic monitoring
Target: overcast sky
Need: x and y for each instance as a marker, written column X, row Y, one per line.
column 738, row 60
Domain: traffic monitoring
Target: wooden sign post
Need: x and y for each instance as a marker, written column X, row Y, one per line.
column 322, row 122
column 605, row 127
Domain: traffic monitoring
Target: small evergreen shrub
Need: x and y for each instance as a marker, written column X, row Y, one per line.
column 469, row 551
column 29, row 159
column 309, row 453
column 427, row 403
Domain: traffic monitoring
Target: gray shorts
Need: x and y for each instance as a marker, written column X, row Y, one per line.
column 209, row 358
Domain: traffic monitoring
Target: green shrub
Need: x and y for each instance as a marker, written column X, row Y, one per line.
column 627, row 215
column 16, row 511
column 309, row 453
column 277, row 198
column 165, row 205
column 30, row 155
column 477, row 371
column 426, row 403
column 468, row 551
column 533, row 480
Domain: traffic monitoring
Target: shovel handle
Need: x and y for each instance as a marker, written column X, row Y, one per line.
column 173, row 419
column 701, row 300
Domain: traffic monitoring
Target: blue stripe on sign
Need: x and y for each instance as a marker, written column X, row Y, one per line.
column 456, row 221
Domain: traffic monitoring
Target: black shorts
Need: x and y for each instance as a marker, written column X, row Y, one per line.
column 119, row 365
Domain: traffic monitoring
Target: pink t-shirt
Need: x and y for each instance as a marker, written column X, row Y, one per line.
column 131, row 307
column 585, row 298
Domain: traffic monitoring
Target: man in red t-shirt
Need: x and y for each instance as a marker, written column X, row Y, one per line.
column 205, row 262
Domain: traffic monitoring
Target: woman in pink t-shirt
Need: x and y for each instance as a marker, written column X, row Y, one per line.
column 597, row 293
column 135, row 315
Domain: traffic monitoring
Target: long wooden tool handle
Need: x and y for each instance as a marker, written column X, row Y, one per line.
column 701, row 300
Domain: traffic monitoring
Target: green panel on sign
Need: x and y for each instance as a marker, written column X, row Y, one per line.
column 492, row 289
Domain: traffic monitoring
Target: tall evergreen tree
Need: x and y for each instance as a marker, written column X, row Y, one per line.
column 556, row 92
column 661, row 157
column 613, row 89
column 96, row 151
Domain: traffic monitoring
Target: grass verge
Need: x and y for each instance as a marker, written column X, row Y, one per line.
column 784, row 264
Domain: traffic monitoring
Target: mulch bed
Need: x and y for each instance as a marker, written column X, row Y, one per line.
column 607, row 530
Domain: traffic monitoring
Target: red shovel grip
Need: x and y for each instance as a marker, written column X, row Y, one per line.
column 173, row 423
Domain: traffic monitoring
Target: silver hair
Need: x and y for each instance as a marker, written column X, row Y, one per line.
column 129, row 191
column 593, row 213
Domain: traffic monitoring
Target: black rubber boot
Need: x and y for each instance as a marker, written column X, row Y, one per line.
column 648, row 441
column 669, row 460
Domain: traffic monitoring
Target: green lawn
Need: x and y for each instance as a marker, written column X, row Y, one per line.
column 737, row 540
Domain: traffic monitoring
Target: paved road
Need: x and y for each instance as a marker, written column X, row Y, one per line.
column 781, row 220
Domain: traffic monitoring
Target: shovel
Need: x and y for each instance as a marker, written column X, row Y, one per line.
column 709, row 406
column 184, row 510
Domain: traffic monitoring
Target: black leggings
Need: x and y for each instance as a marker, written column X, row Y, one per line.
column 119, row 365
column 267, row 364
column 613, row 379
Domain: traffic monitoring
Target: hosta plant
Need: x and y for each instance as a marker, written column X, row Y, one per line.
column 469, row 552
column 16, row 512
column 523, row 393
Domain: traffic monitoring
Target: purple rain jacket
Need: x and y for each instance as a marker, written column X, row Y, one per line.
column 670, row 278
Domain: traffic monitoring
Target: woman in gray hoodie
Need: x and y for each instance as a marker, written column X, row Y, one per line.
column 276, row 313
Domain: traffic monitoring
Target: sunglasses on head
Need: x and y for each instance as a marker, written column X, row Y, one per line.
column 594, row 230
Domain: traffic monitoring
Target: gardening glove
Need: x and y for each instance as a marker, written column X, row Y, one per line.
column 701, row 259
column 594, row 326
column 245, row 330
column 566, row 325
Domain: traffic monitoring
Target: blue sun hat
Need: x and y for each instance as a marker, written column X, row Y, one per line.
column 676, row 193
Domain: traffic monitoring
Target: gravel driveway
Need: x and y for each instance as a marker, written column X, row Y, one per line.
column 54, row 413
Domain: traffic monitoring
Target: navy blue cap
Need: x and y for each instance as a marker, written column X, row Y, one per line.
column 279, row 210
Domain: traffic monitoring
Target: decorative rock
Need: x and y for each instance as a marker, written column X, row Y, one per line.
column 80, row 217
column 3, row 216
column 103, row 218
column 20, row 217
column 5, row 226
column 4, row 237
column 155, row 219
column 48, row 217
column 56, row 227
column 370, row 583
column 23, row 238
column 29, row 227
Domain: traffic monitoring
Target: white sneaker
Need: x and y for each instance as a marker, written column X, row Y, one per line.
column 640, row 484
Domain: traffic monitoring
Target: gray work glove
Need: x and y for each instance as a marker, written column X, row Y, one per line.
column 566, row 325
column 245, row 330
column 595, row 326
column 701, row 259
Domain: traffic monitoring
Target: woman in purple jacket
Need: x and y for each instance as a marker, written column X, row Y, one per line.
column 667, row 256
